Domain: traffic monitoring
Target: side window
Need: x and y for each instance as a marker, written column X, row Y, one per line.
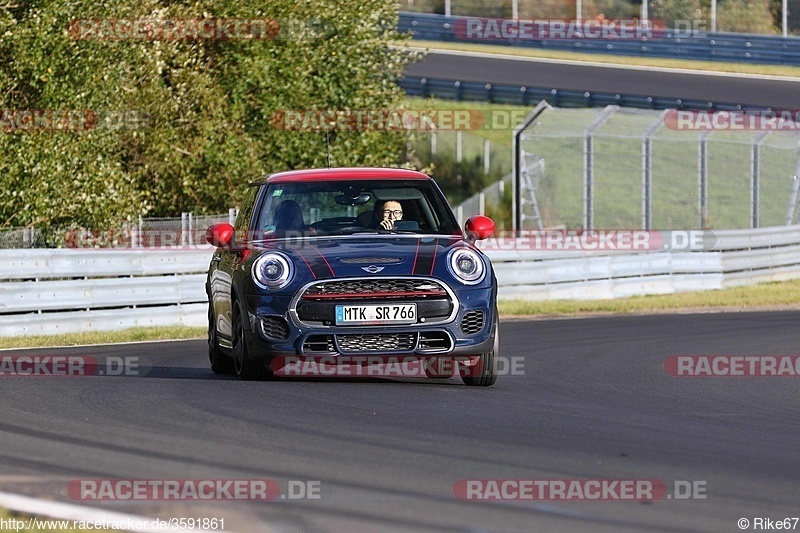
column 246, row 213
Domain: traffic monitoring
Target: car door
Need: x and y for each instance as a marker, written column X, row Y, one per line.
column 224, row 263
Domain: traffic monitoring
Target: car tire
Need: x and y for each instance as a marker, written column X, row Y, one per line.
column 220, row 363
column 484, row 373
column 245, row 368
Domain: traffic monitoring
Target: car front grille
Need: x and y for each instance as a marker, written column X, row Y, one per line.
column 275, row 327
column 375, row 288
column 379, row 342
column 425, row 342
column 316, row 305
column 472, row 322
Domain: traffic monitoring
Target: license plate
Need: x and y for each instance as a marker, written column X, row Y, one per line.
column 353, row 315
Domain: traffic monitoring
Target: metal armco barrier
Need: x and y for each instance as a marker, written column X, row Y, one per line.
column 737, row 257
column 47, row 291
column 63, row 291
column 746, row 48
column 522, row 95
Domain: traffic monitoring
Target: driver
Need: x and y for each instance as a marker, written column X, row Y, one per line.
column 390, row 213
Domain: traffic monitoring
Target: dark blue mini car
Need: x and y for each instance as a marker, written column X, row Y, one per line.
column 356, row 265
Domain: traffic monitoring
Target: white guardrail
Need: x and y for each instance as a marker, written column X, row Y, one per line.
column 45, row 292
column 60, row 291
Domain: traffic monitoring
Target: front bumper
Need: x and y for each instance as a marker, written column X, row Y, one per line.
column 460, row 337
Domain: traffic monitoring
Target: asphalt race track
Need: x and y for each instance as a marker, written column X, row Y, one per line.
column 594, row 403
column 747, row 91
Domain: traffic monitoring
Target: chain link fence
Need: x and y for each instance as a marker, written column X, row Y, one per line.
column 22, row 237
column 463, row 162
column 622, row 168
column 496, row 199
column 490, row 198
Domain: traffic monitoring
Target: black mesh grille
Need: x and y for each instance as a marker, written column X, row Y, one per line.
column 434, row 341
column 381, row 342
column 472, row 322
column 275, row 327
column 366, row 286
column 319, row 344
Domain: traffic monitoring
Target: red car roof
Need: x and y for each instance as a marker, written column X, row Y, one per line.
column 336, row 174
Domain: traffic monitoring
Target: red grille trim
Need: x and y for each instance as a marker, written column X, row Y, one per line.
column 360, row 295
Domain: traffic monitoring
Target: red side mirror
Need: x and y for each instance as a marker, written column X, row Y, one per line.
column 220, row 235
column 479, row 227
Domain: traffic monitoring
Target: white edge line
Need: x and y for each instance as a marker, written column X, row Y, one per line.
column 669, row 70
column 156, row 341
column 68, row 511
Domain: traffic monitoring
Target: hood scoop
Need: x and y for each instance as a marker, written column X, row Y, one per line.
column 371, row 260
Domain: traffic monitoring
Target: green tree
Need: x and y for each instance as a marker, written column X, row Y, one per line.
column 611, row 9
column 546, row 9
column 671, row 11
column 745, row 16
column 200, row 112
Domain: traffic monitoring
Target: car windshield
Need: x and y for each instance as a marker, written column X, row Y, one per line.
column 351, row 207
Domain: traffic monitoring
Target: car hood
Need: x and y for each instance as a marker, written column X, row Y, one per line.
column 384, row 255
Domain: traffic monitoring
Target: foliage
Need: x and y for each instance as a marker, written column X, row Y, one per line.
column 745, row 16
column 670, row 11
column 182, row 125
column 458, row 181
column 610, row 9
column 793, row 11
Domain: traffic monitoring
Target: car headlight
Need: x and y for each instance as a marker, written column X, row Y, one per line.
column 466, row 265
column 272, row 271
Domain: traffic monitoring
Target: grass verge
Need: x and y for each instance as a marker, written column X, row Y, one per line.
column 761, row 297
column 500, row 134
column 691, row 64
column 104, row 337
column 764, row 296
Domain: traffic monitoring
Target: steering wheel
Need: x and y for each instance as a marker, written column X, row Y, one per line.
column 343, row 229
column 336, row 224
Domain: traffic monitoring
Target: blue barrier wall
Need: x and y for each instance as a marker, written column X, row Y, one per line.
column 530, row 96
column 737, row 47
